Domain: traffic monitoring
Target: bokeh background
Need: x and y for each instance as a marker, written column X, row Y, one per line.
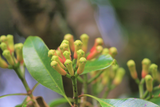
column 132, row 26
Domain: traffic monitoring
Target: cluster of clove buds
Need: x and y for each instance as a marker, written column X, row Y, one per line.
column 149, row 72
column 72, row 53
column 8, row 47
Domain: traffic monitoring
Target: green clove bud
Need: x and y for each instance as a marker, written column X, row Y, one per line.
column 80, row 53
column 55, row 58
column 154, row 70
column 113, row 71
column 149, row 83
column 3, row 38
column 51, row 52
column 58, row 68
column 3, row 46
column 68, row 64
column 105, row 51
column 64, row 47
column 67, row 54
column 132, row 68
column 119, row 76
column 82, row 62
column 70, row 38
column 77, row 45
column 84, row 39
column 7, row 55
column 113, row 51
column 10, row 42
column 18, row 49
column 145, row 67
column 3, row 63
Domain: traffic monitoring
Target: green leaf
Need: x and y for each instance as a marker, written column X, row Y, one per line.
column 127, row 102
column 156, row 100
column 102, row 62
column 35, row 54
column 58, row 102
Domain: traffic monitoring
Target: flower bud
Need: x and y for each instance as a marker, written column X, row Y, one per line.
column 80, row 53
column 59, row 54
column 3, row 46
column 132, row 68
column 62, row 56
column 98, row 41
column 113, row 51
column 3, row 63
column 10, row 43
column 68, row 64
column 105, row 51
column 64, row 47
column 67, row 55
column 7, row 55
column 18, row 49
column 149, row 83
column 95, row 53
column 84, row 39
column 69, row 37
column 78, row 45
column 3, row 38
column 153, row 68
column 145, row 67
column 51, row 52
column 67, row 42
column 56, row 58
column 81, row 66
column 119, row 76
column 106, row 76
column 113, row 71
column 58, row 68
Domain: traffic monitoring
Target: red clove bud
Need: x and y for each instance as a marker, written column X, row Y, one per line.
column 95, row 53
column 98, row 41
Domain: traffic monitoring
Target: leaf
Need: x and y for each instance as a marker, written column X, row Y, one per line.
column 127, row 102
column 35, row 54
column 58, row 102
column 102, row 62
column 156, row 100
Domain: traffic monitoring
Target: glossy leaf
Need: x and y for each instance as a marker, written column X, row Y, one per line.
column 127, row 102
column 36, row 59
column 102, row 62
column 58, row 102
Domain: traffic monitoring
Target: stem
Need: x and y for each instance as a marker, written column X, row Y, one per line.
column 12, row 94
column 141, row 89
column 84, row 91
column 108, row 89
column 92, row 79
column 35, row 86
column 22, row 78
column 154, row 89
column 75, row 91
column 150, row 96
column 80, row 79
